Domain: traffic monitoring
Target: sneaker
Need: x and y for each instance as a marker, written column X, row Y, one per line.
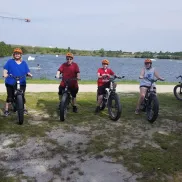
column 6, row 113
column 25, row 111
column 75, row 109
column 97, row 109
column 137, row 111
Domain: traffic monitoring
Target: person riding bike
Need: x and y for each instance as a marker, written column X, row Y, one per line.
column 69, row 70
column 17, row 67
column 103, row 82
column 147, row 72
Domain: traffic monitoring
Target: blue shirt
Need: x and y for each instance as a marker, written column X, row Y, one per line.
column 16, row 70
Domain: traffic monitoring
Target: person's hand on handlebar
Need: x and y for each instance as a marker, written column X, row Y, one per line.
column 5, row 75
column 161, row 79
column 105, row 75
column 29, row 74
column 141, row 77
column 57, row 76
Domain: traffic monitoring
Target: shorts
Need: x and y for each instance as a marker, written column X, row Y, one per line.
column 10, row 92
column 154, row 88
column 73, row 91
column 102, row 89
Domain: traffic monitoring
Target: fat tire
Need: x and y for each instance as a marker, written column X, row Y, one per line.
column 153, row 98
column 117, row 101
column 175, row 92
column 20, row 109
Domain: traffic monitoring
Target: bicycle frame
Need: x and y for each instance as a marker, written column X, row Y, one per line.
column 111, row 88
column 180, row 82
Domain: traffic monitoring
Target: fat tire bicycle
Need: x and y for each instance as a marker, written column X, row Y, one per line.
column 150, row 104
column 178, row 89
column 109, row 96
column 66, row 99
column 17, row 102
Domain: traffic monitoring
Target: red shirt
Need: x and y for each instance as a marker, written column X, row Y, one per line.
column 102, row 81
column 69, row 71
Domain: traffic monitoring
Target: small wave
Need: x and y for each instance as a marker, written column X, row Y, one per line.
column 35, row 68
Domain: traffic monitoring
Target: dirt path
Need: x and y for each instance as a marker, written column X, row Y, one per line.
column 90, row 88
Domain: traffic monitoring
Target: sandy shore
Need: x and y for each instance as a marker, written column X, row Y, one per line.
column 90, row 88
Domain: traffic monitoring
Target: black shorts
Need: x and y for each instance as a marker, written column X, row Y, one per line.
column 101, row 89
column 148, row 87
column 10, row 92
column 73, row 91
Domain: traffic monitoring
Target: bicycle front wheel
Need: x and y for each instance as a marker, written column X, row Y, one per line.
column 20, row 109
column 152, row 108
column 64, row 106
column 114, row 107
column 178, row 92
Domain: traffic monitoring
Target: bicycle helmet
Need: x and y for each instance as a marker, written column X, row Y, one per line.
column 17, row 50
column 148, row 61
column 69, row 55
column 105, row 61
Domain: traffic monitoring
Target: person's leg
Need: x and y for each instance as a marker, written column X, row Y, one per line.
column 143, row 91
column 100, row 92
column 10, row 95
column 74, row 92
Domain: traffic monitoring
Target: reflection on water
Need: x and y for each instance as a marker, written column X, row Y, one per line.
column 130, row 67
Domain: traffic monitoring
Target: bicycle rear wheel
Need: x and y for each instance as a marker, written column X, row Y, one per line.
column 20, row 109
column 114, row 107
column 152, row 108
column 64, row 106
column 178, row 92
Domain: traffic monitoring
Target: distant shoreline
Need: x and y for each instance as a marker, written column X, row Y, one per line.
column 7, row 49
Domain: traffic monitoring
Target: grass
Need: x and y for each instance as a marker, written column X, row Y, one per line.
column 124, row 81
column 151, row 151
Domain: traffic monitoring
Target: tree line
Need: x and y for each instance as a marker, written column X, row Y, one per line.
column 6, row 50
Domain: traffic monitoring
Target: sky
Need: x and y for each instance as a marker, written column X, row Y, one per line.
column 127, row 25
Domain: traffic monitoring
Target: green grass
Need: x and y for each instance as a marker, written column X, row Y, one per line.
column 132, row 141
column 124, row 81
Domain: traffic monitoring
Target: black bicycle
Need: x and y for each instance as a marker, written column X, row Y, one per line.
column 111, row 100
column 178, row 89
column 66, row 99
column 150, row 104
column 17, row 102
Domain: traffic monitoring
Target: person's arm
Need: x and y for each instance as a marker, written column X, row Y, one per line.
column 58, row 74
column 59, row 71
column 77, row 72
column 78, row 76
column 5, row 73
column 27, row 70
column 156, row 74
column 100, row 76
column 5, row 70
column 142, row 73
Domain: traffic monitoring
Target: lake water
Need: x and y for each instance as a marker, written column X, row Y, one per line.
column 130, row 67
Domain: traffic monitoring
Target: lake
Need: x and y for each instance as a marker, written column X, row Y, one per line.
column 130, row 67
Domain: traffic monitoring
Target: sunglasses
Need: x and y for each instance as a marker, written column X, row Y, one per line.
column 147, row 63
column 104, row 64
column 69, row 58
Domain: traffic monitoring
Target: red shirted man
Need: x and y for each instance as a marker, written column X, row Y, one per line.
column 69, row 70
column 103, row 82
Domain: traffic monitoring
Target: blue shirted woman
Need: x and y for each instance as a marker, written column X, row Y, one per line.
column 16, row 67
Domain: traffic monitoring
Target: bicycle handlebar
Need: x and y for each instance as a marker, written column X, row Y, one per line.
column 116, row 77
column 152, row 80
column 68, row 79
column 18, row 77
column 180, row 76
